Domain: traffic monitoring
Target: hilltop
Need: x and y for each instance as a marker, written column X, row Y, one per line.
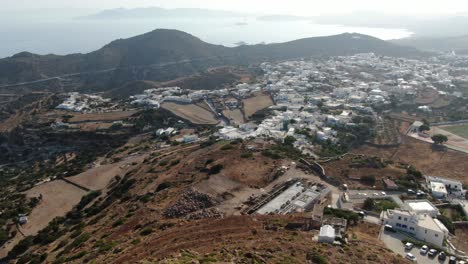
column 165, row 54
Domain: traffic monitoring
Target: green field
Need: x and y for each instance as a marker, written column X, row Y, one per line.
column 459, row 130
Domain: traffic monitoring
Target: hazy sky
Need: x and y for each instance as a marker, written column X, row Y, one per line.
column 298, row 7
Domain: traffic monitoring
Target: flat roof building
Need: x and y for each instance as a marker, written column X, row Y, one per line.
column 422, row 207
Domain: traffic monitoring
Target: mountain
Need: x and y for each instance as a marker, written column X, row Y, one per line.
column 167, row 54
column 439, row 44
column 157, row 12
column 428, row 26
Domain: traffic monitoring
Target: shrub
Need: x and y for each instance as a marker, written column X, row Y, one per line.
column 174, row 162
column 316, row 258
column 215, row 169
column 369, row 179
column 247, row 155
column 163, row 186
column 119, row 222
column 146, row 231
column 227, row 147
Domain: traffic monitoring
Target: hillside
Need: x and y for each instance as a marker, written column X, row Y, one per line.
column 167, row 54
column 173, row 206
column 440, row 44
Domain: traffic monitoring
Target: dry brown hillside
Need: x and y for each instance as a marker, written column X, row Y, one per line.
column 170, row 208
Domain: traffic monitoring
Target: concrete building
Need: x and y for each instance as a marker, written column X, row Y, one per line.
column 421, row 226
column 452, row 187
column 438, row 190
column 422, row 207
column 327, row 234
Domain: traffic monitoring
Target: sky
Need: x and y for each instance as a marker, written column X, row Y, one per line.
column 293, row 7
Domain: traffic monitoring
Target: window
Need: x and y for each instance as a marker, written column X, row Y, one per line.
column 399, row 218
column 404, row 226
column 406, row 219
column 437, row 235
column 411, row 228
column 425, row 231
column 398, row 225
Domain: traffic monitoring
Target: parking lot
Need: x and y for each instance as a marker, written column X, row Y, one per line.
column 393, row 242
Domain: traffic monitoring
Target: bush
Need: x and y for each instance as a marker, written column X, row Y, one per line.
column 174, row 162
column 215, row 169
column 316, row 258
column 227, row 147
column 247, row 155
column 369, row 179
column 163, row 186
column 119, row 222
column 447, row 223
column 369, row 204
column 146, row 231
column 350, row 216
column 21, row 247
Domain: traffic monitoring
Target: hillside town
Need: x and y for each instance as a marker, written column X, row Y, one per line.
column 311, row 115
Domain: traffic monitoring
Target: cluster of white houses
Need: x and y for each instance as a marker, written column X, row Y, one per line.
column 77, row 102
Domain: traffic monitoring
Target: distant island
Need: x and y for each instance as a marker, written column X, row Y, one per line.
column 158, row 12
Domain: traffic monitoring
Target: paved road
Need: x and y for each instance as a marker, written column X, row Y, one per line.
column 393, row 242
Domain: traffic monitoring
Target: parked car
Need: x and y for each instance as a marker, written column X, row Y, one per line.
column 409, row 246
column 384, row 193
column 411, row 257
column 389, row 228
column 411, row 191
column 442, row 256
column 424, row 250
column 452, row 260
column 432, row 253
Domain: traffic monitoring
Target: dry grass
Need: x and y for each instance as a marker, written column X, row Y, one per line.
column 108, row 116
column 58, row 198
column 256, row 103
column 192, row 113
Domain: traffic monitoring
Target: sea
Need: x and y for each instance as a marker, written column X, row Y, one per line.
column 64, row 36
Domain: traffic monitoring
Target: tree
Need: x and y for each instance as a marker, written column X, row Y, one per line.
column 289, row 140
column 369, row 204
column 424, row 128
column 439, row 139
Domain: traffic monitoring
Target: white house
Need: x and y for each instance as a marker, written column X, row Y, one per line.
column 327, row 234
column 452, row 187
column 438, row 190
column 422, row 226
column 422, row 207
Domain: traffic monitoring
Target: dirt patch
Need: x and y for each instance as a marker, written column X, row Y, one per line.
column 99, row 177
column 348, row 171
column 460, row 241
column 254, row 104
column 58, row 198
column 107, row 116
column 192, row 113
column 448, row 163
column 234, row 115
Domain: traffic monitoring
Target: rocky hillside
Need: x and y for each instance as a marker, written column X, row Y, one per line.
column 176, row 206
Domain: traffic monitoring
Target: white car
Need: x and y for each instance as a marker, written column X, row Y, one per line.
column 411, row 257
column 384, row 193
column 409, row 246
column 376, row 194
column 424, row 250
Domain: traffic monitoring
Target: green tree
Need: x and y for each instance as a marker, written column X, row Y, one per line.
column 439, row 139
column 424, row 128
column 289, row 140
column 369, row 204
